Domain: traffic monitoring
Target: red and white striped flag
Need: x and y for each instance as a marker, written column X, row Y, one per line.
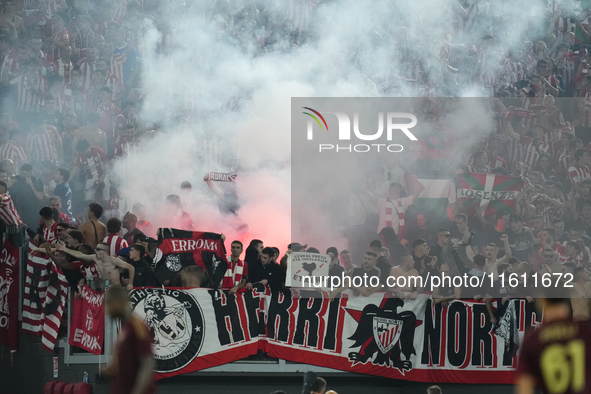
column 46, row 290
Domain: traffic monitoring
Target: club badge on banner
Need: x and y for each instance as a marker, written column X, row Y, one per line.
column 312, row 265
column 416, row 340
column 9, row 290
column 88, row 320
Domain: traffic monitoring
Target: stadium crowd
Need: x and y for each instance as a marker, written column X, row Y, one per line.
column 71, row 91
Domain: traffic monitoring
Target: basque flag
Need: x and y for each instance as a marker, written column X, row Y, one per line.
column 495, row 192
column 180, row 249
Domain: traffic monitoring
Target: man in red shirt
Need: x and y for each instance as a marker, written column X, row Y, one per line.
column 556, row 357
column 133, row 361
column 113, row 239
column 48, row 228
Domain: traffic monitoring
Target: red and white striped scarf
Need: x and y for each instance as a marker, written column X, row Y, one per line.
column 234, row 274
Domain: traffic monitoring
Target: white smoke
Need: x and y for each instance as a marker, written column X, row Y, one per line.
column 236, row 98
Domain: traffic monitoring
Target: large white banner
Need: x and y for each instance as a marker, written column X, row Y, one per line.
column 380, row 335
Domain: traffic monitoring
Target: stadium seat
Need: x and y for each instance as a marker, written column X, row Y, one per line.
column 82, row 388
column 59, row 388
column 69, row 389
column 49, row 387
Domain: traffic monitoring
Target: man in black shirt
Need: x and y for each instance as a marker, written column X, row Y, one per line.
column 446, row 292
column 438, row 250
column 129, row 223
column 561, row 235
column 461, row 233
column 501, row 292
column 334, row 269
column 263, row 271
column 470, row 291
column 382, row 263
column 424, row 264
column 27, row 195
column 491, row 233
column 144, row 276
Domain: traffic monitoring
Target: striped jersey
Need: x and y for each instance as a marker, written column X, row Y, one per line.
column 50, row 233
column 62, row 35
column 87, row 70
column 124, row 148
column 30, row 91
column 84, row 41
column 8, row 213
column 44, row 145
column 578, row 174
column 116, row 243
column 13, row 152
column 532, row 150
column 93, row 166
column 63, row 69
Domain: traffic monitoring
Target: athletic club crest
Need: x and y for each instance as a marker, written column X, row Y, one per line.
column 173, row 262
column 384, row 336
column 386, row 332
column 176, row 322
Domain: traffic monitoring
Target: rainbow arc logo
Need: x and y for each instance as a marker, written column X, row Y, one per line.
column 315, row 118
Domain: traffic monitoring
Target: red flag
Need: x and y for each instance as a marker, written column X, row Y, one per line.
column 87, row 326
column 9, row 290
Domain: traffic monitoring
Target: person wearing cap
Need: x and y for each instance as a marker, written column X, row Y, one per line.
column 521, row 239
column 296, row 247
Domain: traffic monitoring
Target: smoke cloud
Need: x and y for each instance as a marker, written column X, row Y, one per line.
column 221, row 103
